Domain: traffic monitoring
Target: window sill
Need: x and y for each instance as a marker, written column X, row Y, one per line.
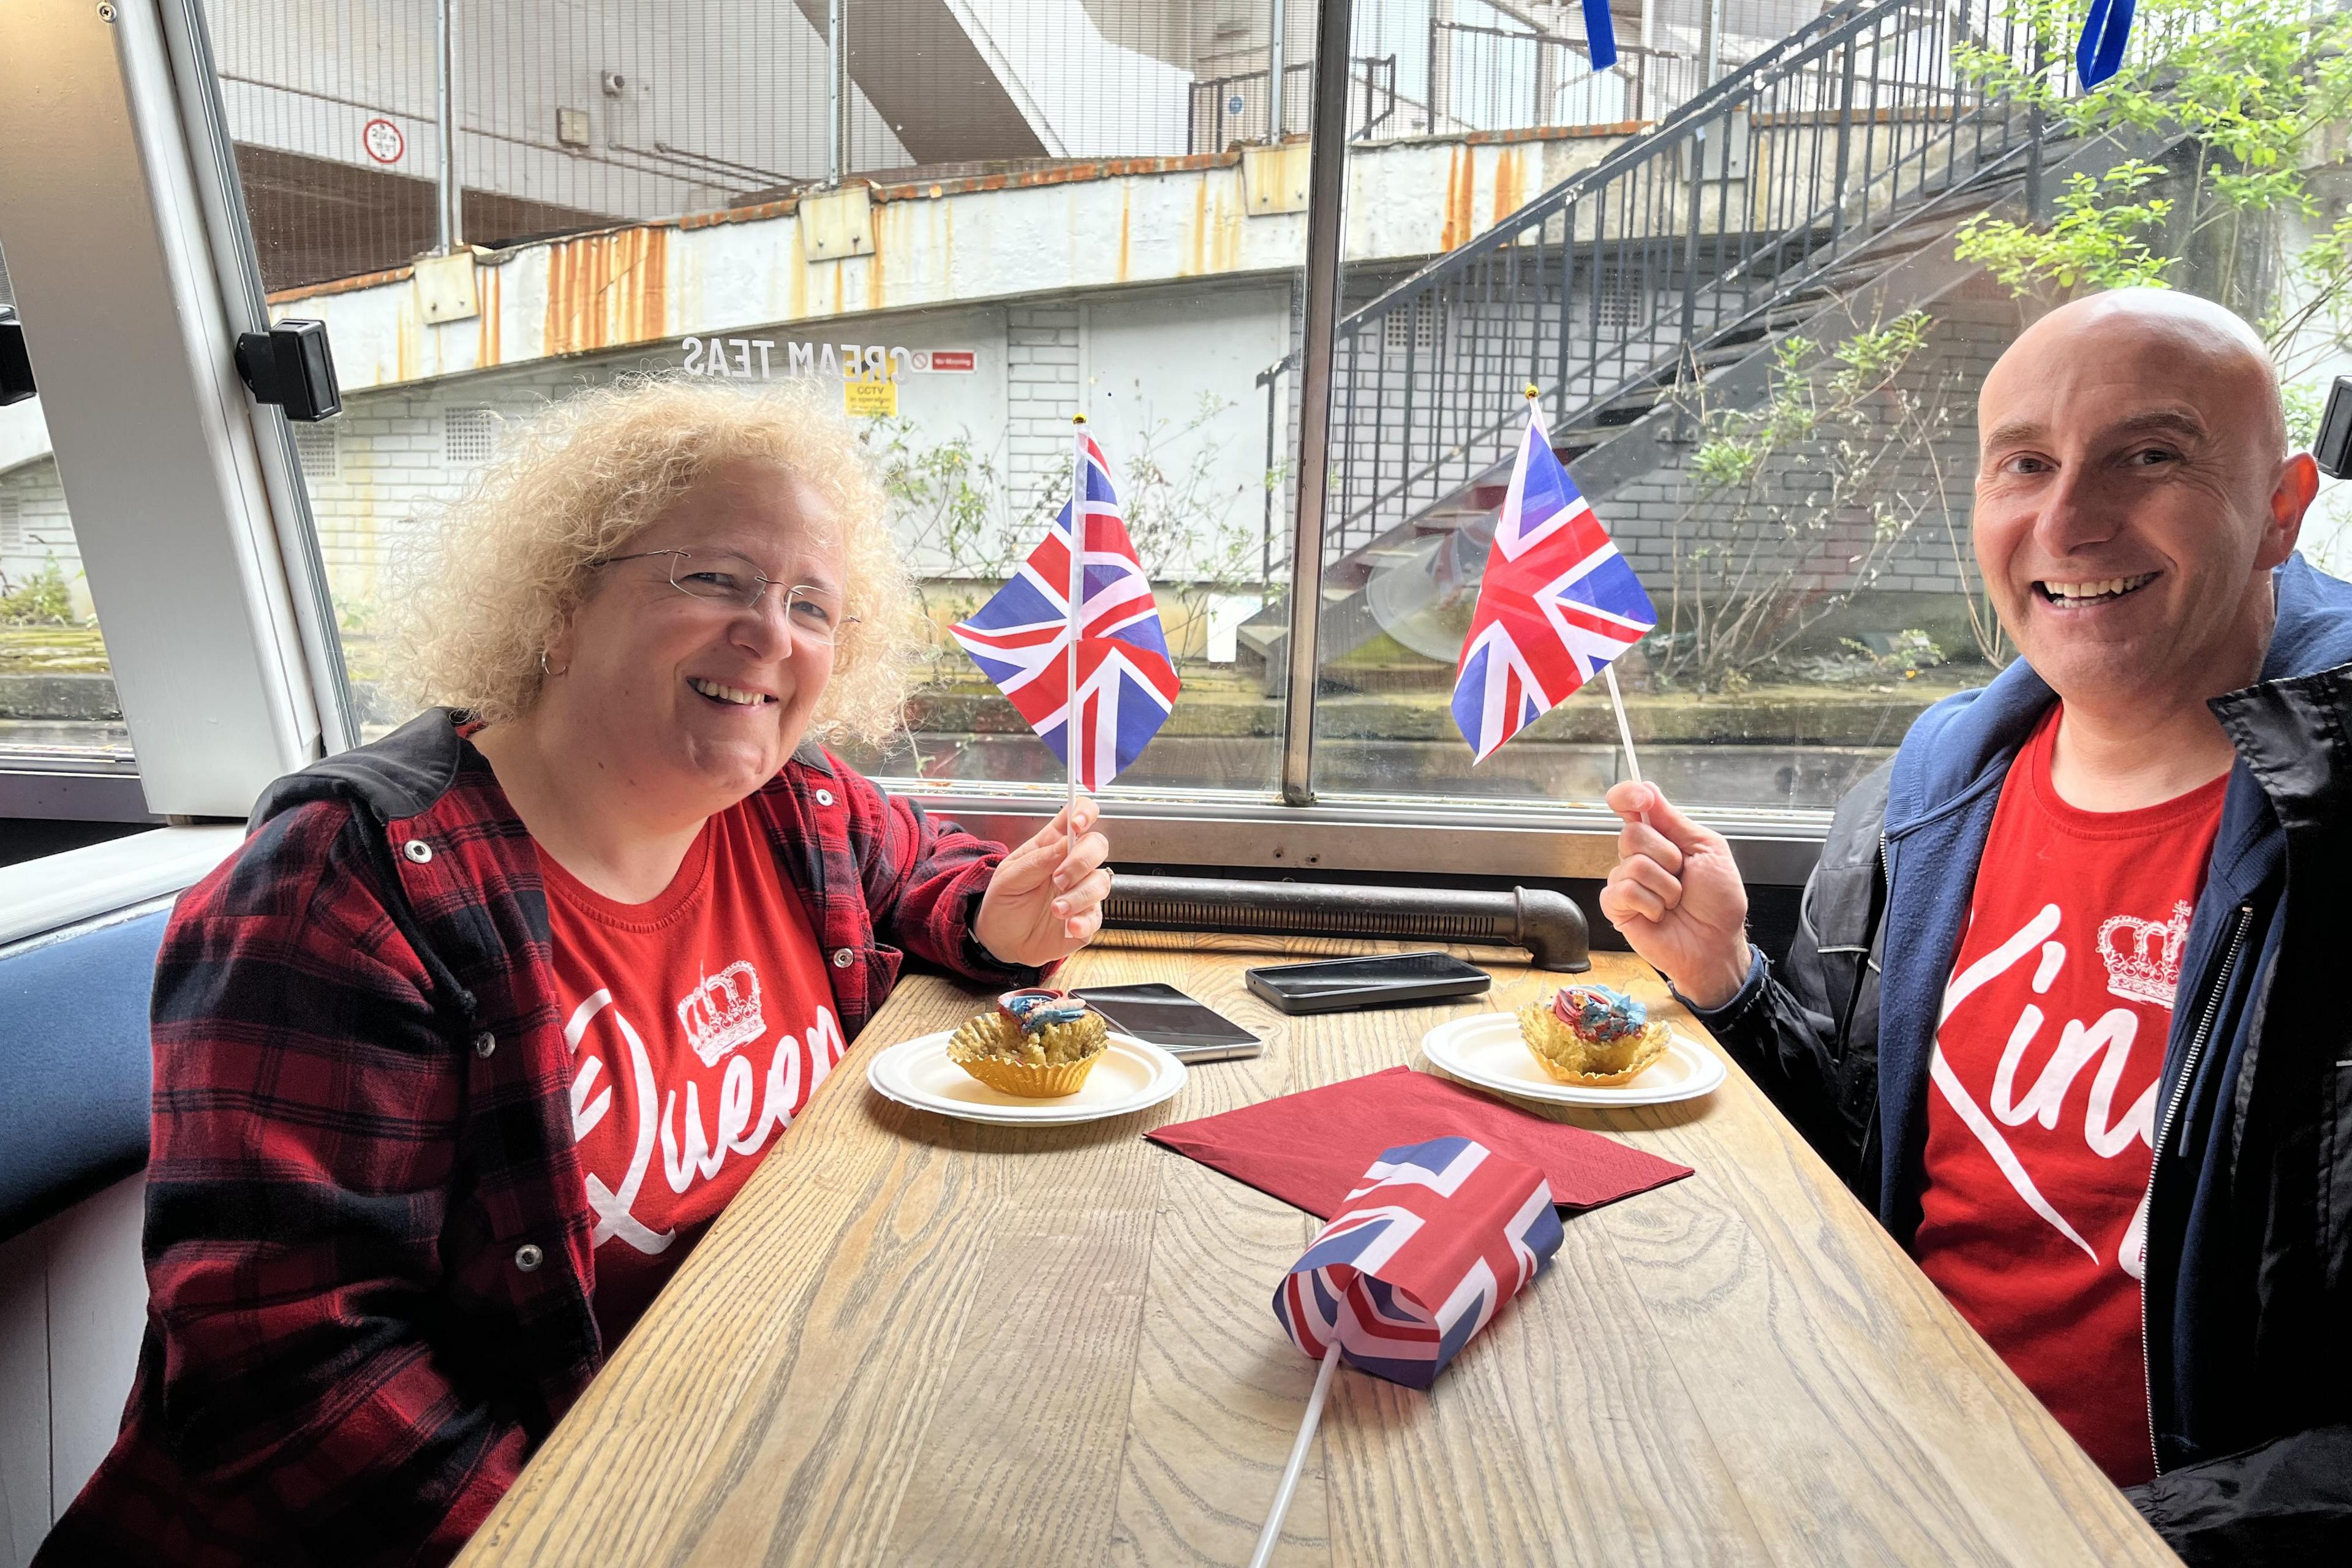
column 1370, row 834
column 59, row 891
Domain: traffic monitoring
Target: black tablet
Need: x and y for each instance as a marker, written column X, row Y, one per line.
column 1167, row 1017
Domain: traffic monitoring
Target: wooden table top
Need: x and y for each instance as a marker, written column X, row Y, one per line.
column 911, row 1340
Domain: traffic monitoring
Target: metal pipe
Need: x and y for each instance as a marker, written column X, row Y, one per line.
column 1273, row 385
column 1327, row 233
column 450, row 230
column 1710, row 47
column 837, row 59
column 1439, row 87
column 1549, row 925
column 1274, row 22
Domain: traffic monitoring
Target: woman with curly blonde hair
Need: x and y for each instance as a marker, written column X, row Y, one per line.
column 462, row 1052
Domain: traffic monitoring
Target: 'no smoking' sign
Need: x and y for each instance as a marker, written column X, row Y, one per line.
column 383, row 141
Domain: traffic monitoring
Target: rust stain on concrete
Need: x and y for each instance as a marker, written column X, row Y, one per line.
column 1461, row 178
column 796, row 269
column 489, row 288
column 1125, row 225
column 1226, row 254
column 1196, row 257
column 1510, row 185
column 342, row 285
column 604, row 289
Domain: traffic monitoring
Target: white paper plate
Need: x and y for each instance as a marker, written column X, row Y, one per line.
column 1134, row 1075
column 1486, row 1049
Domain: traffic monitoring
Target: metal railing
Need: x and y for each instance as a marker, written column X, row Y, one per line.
column 1674, row 248
column 1496, row 78
column 1238, row 108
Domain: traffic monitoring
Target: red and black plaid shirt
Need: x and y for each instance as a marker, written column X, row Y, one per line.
column 367, row 1237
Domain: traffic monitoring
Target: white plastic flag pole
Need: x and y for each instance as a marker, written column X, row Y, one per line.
column 1071, row 736
column 1314, row 1416
column 1624, row 731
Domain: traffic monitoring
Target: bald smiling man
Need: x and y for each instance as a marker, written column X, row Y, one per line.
column 2068, row 1000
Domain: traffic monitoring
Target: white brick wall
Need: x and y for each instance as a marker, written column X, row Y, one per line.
column 1969, row 333
column 33, row 500
column 1040, row 393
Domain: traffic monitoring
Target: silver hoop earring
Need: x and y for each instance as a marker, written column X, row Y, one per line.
column 544, row 671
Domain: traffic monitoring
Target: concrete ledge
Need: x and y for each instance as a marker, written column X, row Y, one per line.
column 82, row 697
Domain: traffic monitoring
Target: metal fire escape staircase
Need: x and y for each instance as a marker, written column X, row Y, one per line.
column 1814, row 191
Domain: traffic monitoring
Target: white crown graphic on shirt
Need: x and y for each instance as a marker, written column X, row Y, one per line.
column 2143, row 958
column 722, row 1014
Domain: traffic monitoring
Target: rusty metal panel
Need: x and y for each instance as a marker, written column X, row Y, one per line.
column 838, row 224
column 445, row 288
column 1273, row 179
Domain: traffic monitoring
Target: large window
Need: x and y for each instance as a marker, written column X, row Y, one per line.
column 1784, row 462
column 1011, row 214
column 1756, row 274
column 1019, row 213
column 58, row 707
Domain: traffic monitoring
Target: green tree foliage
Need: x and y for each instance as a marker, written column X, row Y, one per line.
column 2245, row 94
column 2099, row 237
column 953, row 503
column 1838, row 463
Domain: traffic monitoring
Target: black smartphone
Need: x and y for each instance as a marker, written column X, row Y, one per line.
column 1389, row 980
column 1167, row 1017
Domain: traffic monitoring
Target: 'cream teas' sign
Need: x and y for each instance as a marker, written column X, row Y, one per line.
column 763, row 359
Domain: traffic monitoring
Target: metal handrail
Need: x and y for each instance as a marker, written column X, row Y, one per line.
column 1687, row 240
column 1630, row 154
column 1376, row 74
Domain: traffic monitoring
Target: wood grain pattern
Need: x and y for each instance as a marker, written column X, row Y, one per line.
column 916, row 1340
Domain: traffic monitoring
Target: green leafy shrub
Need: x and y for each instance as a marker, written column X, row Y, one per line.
column 44, row 599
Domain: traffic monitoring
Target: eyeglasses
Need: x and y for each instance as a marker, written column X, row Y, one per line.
column 812, row 612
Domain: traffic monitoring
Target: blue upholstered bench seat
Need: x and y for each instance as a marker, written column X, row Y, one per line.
column 74, row 1062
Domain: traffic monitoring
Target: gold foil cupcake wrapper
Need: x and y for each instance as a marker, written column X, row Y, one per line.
column 1569, row 1059
column 1031, row 1082
column 991, row 1048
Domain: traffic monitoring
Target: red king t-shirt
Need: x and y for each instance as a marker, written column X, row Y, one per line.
column 2043, row 1117
column 699, row 1026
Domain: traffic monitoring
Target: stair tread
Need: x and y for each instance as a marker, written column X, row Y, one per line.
column 1618, row 381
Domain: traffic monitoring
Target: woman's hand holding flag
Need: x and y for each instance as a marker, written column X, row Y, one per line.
column 1045, row 901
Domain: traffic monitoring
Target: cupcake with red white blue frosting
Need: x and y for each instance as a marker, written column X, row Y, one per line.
column 1593, row 1036
column 1037, row 1043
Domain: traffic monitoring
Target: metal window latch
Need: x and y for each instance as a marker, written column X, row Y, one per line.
column 2332, row 447
column 15, row 365
column 291, row 366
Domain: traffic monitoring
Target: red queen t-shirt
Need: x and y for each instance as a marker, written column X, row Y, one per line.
column 698, row 1023
column 2043, row 1114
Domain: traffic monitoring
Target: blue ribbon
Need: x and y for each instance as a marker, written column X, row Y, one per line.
column 1601, row 32
column 2106, row 31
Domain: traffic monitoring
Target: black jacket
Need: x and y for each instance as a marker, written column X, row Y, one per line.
column 2249, row 1336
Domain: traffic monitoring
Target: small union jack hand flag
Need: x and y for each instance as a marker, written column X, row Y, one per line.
column 1439, row 1236
column 1557, row 604
column 1125, row 683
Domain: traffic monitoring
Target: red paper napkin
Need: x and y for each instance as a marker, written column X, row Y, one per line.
column 1312, row 1148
